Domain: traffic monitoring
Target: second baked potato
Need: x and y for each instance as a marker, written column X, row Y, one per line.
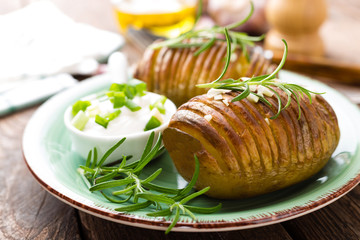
column 175, row 72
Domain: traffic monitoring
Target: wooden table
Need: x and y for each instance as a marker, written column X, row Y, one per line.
column 28, row 212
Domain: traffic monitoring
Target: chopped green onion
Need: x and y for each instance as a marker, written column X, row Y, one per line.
column 130, row 92
column 132, row 105
column 104, row 121
column 110, row 94
column 152, row 123
column 120, row 94
column 131, row 89
column 117, row 87
column 101, row 121
column 93, row 110
column 139, row 86
column 113, row 115
column 119, row 99
column 80, row 106
column 163, row 99
column 80, row 120
column 159, row 104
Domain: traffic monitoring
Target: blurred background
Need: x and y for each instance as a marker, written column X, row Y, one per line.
column 341, row 26
column 72, row 40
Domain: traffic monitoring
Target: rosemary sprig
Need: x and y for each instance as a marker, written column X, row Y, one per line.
column 127, row 187
column 205, row 38
column 267, row 81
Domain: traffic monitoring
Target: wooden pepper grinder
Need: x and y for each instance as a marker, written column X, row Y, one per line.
column 298, row 22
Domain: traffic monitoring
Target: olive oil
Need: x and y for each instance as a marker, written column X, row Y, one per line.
column 166, row 18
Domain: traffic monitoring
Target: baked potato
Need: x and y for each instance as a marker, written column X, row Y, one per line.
column 174, row 72
column 244, row 153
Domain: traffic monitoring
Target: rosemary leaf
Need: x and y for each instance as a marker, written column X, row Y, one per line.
column 95, row 157
column 161, row 189
column 174, row 221
column 88, row 160
column 161, row 213
column 204, row 210
column 148, row 145
column 237, row 24
column 228, row 54
column 110, row 151
column 124, row 191
column 149, row 157
column 191, row 184
column 133, row 207
column 106, row 177
column 194, row 195
column 116, row 200
column 205, row 46
column 111, row 184
column 152, row 176
column 242, row 95
column 156, row 198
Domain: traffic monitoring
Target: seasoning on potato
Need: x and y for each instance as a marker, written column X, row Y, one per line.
column 252, row 135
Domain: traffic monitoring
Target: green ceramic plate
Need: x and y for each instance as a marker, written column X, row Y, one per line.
column 49, row 156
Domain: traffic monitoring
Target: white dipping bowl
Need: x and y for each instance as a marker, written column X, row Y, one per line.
column 134, row 145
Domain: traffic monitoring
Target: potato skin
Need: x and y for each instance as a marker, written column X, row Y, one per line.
column 241, row 153
column 175, row 72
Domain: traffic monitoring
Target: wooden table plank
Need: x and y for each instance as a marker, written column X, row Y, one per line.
column 27, row 211
column 341, row 31
column 340, row 220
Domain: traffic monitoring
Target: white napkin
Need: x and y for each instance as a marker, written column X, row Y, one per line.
column 38, row 43
column 40, row 40
column 33, row 91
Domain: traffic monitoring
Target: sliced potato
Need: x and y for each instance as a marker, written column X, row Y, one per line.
column 175, row 72
column 242, row 152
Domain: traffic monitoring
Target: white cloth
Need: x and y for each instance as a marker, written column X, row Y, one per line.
column 39, row 42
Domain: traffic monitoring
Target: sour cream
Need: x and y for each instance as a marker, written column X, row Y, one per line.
column 128, row 122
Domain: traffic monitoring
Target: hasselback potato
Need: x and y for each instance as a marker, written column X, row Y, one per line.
column 174, row 72
column 242, row 152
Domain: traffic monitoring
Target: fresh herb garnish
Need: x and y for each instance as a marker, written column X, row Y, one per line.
column 119, row 99
column 80, row 106
column 127, row 187
column 80, row 120
column 205, row 38
column 104, row 120
column 131, row 89
column 132, row 105
column 118, row 94
column 101, row 121
column 159, row 104
column 268, row 81
column 152, row 123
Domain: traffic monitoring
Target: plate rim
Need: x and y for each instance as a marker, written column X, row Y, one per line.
column 266, row 218
column 210, row 226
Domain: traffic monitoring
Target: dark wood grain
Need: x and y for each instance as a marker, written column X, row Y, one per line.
column 110, row 230
column 27, row 211
column 340, row 220
column 322, row 67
